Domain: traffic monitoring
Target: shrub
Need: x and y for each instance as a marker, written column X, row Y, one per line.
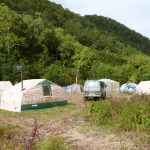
column 123, row 115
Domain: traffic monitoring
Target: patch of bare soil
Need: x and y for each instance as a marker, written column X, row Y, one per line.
column 75, row 98
column 90, row 142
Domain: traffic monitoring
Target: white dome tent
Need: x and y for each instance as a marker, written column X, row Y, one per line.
column 128, row 88
column 113, row 87
column 143, row 88
column 74, row 88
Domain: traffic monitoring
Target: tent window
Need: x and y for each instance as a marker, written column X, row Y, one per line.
column 46, row 91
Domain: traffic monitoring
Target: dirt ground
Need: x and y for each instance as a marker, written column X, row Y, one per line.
column 76, row 132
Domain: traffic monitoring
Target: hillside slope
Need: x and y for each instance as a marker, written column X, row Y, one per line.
column 57, row 44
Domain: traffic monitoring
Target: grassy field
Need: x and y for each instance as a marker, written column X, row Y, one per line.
column 109, row 124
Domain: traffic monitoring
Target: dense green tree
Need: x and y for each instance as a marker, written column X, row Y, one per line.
column 55, row 43
column 27, row 41
column 58, row 74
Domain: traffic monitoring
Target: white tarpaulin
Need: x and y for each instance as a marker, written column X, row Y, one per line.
column 12, row 98
column 36, row 92
column 143, row 87
column 128, row 88
column 4, row 85
column 112, row 86
column 74, row 88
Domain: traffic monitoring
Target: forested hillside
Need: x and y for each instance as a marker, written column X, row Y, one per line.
column 54, row 43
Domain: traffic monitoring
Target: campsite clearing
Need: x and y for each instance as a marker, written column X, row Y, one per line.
column 67, row 125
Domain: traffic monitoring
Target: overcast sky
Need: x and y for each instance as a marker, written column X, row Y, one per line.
column 133, row 13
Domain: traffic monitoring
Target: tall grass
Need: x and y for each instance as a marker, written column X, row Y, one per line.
column 123, row 115
column 11, row 137
column 53, row 144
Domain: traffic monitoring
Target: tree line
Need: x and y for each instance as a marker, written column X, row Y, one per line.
column 54, row 43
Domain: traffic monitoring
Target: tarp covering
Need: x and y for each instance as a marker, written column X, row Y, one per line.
column 112, row 86
column 128, row 88
column 143, row 87
column 36, row 92
column 74, row 88
column 27, row 84
column 4, row 85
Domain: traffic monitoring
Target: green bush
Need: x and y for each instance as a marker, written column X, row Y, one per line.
column 123, row 115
